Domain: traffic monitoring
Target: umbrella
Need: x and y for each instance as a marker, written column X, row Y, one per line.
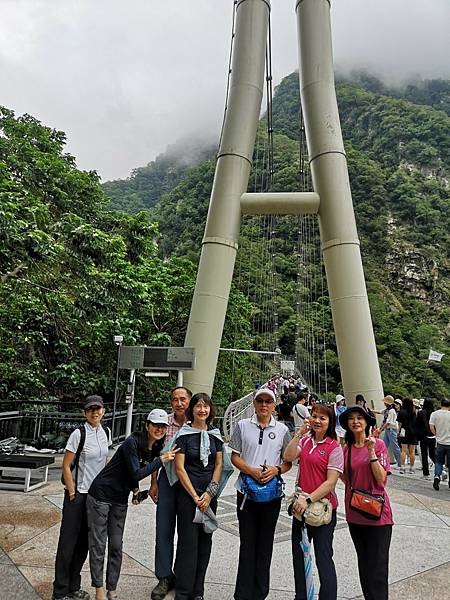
column 307, row 559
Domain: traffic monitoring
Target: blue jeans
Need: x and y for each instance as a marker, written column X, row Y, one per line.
column 390, row 439
column 442, row 452
column 166, row 514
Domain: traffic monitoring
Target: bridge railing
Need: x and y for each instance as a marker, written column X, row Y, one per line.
column 237, row 410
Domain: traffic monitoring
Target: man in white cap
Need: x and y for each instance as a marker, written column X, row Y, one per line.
column 257, row 445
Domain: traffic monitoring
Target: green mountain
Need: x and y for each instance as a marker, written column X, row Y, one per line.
column 398, row 144
column 81, row 262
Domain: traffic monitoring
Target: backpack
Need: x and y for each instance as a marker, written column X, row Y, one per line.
column 76, row 460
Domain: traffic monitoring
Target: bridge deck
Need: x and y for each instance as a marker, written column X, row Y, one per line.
column 419, row 560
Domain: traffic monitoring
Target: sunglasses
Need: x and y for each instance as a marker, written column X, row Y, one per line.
column 262, row 401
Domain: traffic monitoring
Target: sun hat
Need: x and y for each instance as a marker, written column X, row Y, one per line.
column 339, row 398
column 343, row 418
column 93, row 400
column 158, row 416
column 265, row 392
column 398, row 401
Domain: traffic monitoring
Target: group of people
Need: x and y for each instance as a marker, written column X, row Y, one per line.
column 361, row 462
column 408, row 423
column 189, row 467
column 186, row 451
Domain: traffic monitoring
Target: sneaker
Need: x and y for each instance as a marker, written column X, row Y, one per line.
column 444, row 475
column 427, row 477
column 160, row 590
column 436, row 483
column 80, row 595
column 412, row 470
column 402, row 470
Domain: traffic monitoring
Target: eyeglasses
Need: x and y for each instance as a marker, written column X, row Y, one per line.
column 262, row 401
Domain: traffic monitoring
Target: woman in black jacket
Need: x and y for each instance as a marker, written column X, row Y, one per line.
column 107, row 501
column 426, row 438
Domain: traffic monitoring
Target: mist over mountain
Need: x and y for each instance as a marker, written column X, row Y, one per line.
column 398, row 146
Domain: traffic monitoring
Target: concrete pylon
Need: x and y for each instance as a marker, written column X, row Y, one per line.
column 220, row 241
column 340, row 244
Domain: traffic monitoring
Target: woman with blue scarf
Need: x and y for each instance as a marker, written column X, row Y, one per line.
column 198, row 467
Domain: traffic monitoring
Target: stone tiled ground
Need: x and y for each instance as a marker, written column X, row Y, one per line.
column 419, row 561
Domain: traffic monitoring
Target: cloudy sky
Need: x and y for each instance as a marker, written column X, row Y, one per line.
column 126, row 78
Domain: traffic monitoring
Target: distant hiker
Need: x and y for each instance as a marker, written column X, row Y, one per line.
column 440, row 426
column 389, row 427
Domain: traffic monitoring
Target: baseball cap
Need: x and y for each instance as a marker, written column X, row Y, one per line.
column 398, row 401
column 158, row 416
column 93, row 400
column 265, row 392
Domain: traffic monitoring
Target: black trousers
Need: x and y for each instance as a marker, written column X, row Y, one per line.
column 427, row 446
column 372, row 544
column 72, row 546
column 322, row 538
column 257, row 522
column 193, row 548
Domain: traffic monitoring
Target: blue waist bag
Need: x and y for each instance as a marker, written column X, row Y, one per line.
column 258, row 492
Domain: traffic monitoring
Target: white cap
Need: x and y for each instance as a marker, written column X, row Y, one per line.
column 158, row 416
column 265, row 392
column 398, row 401
column 339, row 398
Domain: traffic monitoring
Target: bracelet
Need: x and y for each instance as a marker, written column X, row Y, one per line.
column 212, row 488
column 373, row 460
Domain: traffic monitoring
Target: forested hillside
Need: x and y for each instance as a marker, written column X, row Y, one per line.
column 398, row 146
column 81, row 262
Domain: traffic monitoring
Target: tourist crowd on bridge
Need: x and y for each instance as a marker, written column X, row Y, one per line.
column 184, row 454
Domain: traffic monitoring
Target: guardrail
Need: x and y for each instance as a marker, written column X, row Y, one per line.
column 237, row 410
column 30, row 426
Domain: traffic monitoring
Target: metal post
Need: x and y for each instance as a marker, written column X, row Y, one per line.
column 130, row 401
column 118, row 339
column 220, row 241
column 340, row 244
column 180, row 379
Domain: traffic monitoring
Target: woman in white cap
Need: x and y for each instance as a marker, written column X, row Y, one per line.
column 339, row 408
column 107, row 501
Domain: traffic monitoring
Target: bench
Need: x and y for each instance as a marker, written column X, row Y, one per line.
column 25, row 473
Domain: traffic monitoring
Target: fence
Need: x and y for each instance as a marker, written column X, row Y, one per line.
column 30, row 426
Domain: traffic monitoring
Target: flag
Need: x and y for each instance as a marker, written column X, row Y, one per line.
column 436, row 356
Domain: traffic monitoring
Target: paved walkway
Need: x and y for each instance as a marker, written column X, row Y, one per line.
column 419, row 560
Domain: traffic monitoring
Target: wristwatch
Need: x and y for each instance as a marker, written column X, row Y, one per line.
column 279, row 471
column 308, row 500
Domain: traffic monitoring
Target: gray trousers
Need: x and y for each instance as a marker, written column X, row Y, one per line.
column 105, row 520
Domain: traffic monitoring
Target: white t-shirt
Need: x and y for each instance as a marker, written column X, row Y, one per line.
column 300, row 413
column 441, row 420
column 93, row 456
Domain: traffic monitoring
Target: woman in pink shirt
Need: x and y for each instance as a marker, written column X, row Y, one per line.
column 320, row 463
column 369, row 462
